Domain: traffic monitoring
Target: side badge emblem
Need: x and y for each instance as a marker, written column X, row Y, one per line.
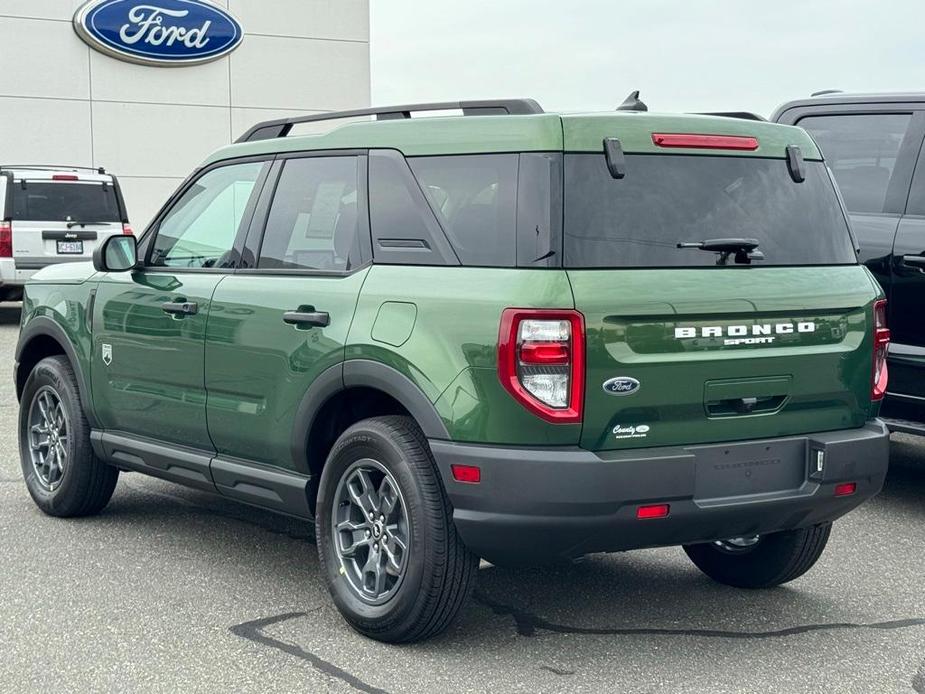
column 107, row 354
column 621, row 385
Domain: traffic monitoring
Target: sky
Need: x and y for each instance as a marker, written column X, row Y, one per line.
column 683, row 55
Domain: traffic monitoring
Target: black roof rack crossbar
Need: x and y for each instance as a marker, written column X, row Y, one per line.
column 54, row 167
column 270, row 129
column 746, row 115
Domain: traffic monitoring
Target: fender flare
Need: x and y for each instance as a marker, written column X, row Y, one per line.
column 357, row 373
column 42, row 326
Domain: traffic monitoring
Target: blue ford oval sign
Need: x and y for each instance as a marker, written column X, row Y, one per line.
column 158, row 32
column 621, row 385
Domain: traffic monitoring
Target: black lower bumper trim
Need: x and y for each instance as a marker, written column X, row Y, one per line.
column 533, row 504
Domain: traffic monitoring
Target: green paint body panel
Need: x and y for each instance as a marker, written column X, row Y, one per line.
column 258, row 368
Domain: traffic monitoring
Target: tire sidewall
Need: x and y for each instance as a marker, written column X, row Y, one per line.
column 365, row 442
column 48, row 372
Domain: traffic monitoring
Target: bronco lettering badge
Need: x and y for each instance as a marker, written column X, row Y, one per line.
column 757, row 334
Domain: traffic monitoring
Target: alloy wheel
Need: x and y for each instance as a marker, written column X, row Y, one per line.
column 48, row 434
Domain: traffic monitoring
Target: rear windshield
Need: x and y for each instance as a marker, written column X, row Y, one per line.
column 664, row 200
column 40, row 201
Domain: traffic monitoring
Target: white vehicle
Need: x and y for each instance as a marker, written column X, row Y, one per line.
column 53, row 214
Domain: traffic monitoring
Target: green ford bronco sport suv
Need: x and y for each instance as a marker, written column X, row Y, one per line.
column 501, row 333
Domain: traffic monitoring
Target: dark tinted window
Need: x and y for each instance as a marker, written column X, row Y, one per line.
column 200, row 228
column 474, row 196
column 862, row 151
column 639, row 220
column 403, row 225
column 56, row 201
column 313, row 219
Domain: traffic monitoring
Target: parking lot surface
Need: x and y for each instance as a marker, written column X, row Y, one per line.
column 177, row 590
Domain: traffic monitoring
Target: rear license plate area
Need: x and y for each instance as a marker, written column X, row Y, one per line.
column 750, row 468
column 70, row 247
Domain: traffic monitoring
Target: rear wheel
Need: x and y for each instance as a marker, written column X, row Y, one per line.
column 389, row 552
column 62, row 474
column 761, row 561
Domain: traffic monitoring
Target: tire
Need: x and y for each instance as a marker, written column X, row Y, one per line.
column 84, row 484
column 775, row 559
column 436, row 573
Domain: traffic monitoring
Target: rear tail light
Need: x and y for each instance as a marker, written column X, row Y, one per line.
column 704, row 141
column 6, row 239
column 127, row 229
column 879, row 375
column 541, row 356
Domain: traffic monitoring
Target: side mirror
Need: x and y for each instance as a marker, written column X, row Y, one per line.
column 116, row 254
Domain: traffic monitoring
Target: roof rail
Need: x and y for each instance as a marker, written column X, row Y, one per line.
column 54, row 167
column 270, row 129
column 745, row 115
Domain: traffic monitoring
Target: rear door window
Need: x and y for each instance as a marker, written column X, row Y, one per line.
column 664, row 200
column 58, row 201
column 862, row 150
column 313, row 219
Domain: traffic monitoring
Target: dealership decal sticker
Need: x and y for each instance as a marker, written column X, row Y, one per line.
column 164, row 33
column 639, row 431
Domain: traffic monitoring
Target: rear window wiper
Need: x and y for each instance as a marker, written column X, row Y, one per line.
column 742, row 250
column 71, row 224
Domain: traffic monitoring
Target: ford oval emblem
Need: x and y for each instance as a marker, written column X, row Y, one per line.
column 158, row 32
column 621, row 385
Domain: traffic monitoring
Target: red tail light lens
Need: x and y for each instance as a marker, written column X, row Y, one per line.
column 880, row 376
column 127, row 229
column 6, row 239
column 705, row 141
column 541, row 361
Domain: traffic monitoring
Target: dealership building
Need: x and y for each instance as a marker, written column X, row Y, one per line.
column 151, row 117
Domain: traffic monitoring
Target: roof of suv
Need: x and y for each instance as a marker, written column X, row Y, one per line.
column 835, row 97
column 471, row 134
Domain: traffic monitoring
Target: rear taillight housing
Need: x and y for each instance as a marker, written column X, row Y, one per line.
column 6, row 239
column 541, row 361
column 881, row 348
column 127, row 229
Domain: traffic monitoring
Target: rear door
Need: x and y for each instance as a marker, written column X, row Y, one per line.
column 61, row 217
column 703, row 348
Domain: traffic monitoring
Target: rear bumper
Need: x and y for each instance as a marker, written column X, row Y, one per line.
column 538, row 503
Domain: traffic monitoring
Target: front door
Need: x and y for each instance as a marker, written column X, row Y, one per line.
column 149, row 325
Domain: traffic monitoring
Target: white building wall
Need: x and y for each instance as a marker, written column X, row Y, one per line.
column 61, row 102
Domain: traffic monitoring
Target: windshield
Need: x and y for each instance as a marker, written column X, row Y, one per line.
column 664, row 200
column 46, row 201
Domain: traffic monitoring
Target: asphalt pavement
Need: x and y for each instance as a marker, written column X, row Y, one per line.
column 174, row 590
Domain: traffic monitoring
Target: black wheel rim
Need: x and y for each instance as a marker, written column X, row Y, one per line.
column 371, row 531
column 48, row 435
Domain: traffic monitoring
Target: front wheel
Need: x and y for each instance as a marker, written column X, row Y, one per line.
column 761, row 561
column 389, row 552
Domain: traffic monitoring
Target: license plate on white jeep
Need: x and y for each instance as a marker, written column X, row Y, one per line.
column 70, row 247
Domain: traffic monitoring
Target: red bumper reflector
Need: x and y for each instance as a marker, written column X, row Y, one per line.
column 705, row 141
column 654, row 511
column 466, row 473
column 846, row 488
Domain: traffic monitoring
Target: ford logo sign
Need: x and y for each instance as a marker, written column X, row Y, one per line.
column 158, row 32
column 621, row 385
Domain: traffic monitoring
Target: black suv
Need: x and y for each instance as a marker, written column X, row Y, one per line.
column 872, row 143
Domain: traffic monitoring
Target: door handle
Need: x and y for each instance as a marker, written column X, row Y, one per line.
column 916, row 260
column 318, row 319
column 180, row 308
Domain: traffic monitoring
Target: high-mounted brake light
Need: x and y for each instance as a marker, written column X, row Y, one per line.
column 64, row 177
column 541, row 357
column 127, row 229
column 6, row 239
column 739, row 142
column 879, row 375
